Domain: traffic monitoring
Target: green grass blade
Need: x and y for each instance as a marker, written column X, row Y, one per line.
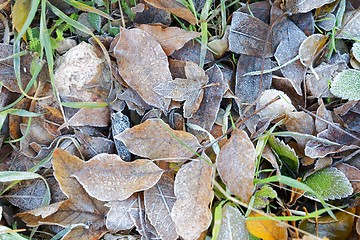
column 86, row 8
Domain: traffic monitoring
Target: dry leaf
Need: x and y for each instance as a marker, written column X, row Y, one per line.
column 19, row 14
column 170, row 38
column 115, row 179
column 191, row 52
column 232, row 224
column 159, row 201
column 154, row 139
column 118, row 217
column 248, row 35
column 352, row 173
column 189, row 90
column 310, row 47
column 301, row 6
column 265, row 229
column 352, row 28
column 193, row 191
column 175, row 8
column 300, row 122
column 142, row 68
column 236, row 165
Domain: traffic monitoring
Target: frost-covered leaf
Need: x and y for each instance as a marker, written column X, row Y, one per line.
column 301, row 6
column 118, row 218
column 310, row 47
column 356, row 51
column 330, row 228
column 330, row 183
column 155, row 139
column 277, row 108
column 263, row 195
column 236, row 165
column 350, row 30
column 194, row 193
column 346, row 85
column 232, row 224
column 108, row 178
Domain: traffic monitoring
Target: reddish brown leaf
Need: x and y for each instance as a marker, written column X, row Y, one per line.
column 236, row 165
column 115, row 179
column 154, row 139
column 352, row 173
column 170, row 38
column 300, row 6
column 175, row 8
column 143, row 65
column 193, row 191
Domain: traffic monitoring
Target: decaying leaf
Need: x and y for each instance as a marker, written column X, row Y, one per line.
column 326, row 226
column 175, row 8
column 265, row 229
column 330, row 183
column 352, row 173
column 347, row 85
column 310, row 47
column 232, row 224
column 159, row 201
column 142, row 68
column 248, row 36
column 193, row 191
column 300, row 122
column 19, row 13
column 263, row 195
column 351, row 30
column 236, row 165
column 116, row 179
column 300, row 6
column 170, row 38
column 277, row 108
column 154, row 139
column 118, row 218
column 189, row 90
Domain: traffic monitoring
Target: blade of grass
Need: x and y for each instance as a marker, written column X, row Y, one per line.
column 204, row 31
column 86, row 8
column 84, row 104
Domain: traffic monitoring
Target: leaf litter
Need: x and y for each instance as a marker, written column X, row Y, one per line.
column 154, row 145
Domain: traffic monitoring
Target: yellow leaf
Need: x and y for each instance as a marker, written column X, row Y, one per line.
column 265, row 229
column 19, row 13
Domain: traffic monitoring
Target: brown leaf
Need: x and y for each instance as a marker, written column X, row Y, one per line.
column 236, row 165
column 115, row 179
column 118, row 217
column 189, row 90
column 352, row 173
column 310, row 47
column 191, row 52
column 143, row 65
column 324, row 114
column 80, row 233
column 300, row 6
column 194, row 193
column 300, row 122
column 265, row 229
column 175, row 8
column 248, row 36
column 170, row 38
column 159, row 201
column 154, row 139
column 351, row 30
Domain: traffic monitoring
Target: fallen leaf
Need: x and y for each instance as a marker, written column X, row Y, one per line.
column 159, row 201
column 323, row 113
column 193, row 191
column 191, row 52
column 263, row 195
column 352, row 173
column 175, row 8
column 170, row 38
column 142, row 68
column 310, row 47
column 189, row 90
column 248, row 35
column 19, row 14
column 300, row 6
column 134, row 101
column 346, row 85
column 118, row 218
column 232, row 224
column 154, row 139
column 319, row 87
column 300, row 122
column 351, row 28
column 116, row 179
column 265, row 229
column 305, row 21
column 236, row 165
column 91, row 146
column 119, row 123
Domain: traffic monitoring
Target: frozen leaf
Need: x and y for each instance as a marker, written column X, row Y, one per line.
column 118, row 218
column 95, row 117
column 159, row 201
column 301, row 6
column 143, row 65
column 327, row 23
column 232, row 224
column 330, row 183
column 324, row 114
column 155, row 139
column 170, row 38
column 205, row 116
column 220, row 45
column 356, row 51
column 249, row 88
column 260, row 10
column 116, row 179
column 142, row 224
column 300, row 122
column 310, row 47
column 351, row 29
column 92, row 146
column 352, row 173
column 277, row 108
column 119, row 123
column 265, row 229
column 79, row 208
column 248, row 35
column 304, row 21
column 189, row 90
column 191, row 52
column 193, row 191
column 334, row 229
column 319, row 87
column 236, row 165
column 175, row 8
column 263, row 195
column 286, row 154
column 134, row 101
column 346, row 85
